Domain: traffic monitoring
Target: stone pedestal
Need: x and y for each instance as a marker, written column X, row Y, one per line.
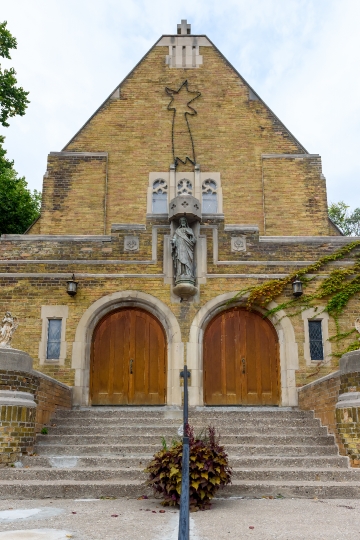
column 348, row 406
column 17, row 406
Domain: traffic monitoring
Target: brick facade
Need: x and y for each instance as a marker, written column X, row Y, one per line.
column 100, row 180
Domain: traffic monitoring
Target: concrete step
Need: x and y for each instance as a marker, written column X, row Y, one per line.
column 199, row 424
column 141, row 460
column 170, row 431
column 173, row 414
column 296, row 489
column 261, row 474
column 146, row 438
column 67, row 489
column 238, row 449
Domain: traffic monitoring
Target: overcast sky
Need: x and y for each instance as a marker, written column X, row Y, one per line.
column 301, row 57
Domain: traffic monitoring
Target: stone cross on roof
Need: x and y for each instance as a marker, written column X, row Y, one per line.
column 184, row 28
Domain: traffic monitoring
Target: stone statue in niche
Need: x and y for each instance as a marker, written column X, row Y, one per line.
column 8, row 326
column 183, row 245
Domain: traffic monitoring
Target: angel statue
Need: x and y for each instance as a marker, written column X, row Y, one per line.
column 357, row 325
column 8, row 326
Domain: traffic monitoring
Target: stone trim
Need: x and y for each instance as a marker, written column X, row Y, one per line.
column 47, row 313
column 79, row 154
column 312, row 315
column 106, row 304
column 127, row 227
column 289, row 156
column 288, row 349
column 252, row 229
column 55, row 237
column 309, row 239
column 319, row 381
column 41, row 275
column 15, row 398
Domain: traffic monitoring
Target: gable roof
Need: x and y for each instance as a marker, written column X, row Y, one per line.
column 254, row 95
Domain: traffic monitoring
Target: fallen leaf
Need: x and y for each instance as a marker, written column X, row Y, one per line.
column 114, row 515
column 161, row 511
column 73, row 512
column 251, row 527
column 153, row 511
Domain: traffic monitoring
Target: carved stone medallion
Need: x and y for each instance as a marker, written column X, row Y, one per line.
column 131, row 243
column 238, row 243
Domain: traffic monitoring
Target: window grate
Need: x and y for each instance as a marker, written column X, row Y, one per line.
column 54, row 339
column 316, row 342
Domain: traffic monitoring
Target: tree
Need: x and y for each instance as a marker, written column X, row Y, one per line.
column 348, row 222
column 13, row 99
column 19, row 207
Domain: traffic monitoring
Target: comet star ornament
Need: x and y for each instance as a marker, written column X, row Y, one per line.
column 182, row 141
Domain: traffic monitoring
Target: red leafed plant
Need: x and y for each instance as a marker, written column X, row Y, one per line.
column 209, row 470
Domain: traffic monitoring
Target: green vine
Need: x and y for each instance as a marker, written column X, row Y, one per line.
column 337, row 289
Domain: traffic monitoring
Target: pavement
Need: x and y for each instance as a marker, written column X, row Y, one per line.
column 234, row 518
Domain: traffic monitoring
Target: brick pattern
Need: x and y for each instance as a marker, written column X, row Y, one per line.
column 17, row 432
column 348, row 425
column 230, row 134
column 350, row 382
column 321, row 397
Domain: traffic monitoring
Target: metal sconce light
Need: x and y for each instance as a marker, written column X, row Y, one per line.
column 297, row 287
column 72, row 286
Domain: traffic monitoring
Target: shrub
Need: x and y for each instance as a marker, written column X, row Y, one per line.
column 209, row 470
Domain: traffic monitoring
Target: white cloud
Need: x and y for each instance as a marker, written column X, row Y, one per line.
column 299, row 55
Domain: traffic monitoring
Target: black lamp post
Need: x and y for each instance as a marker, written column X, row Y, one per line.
column 297, row 287
column 72, row 286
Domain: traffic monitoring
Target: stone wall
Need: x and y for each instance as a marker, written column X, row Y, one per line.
column 17, row 432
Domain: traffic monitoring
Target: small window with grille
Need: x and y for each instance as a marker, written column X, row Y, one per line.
column 53, row 339
column 209, row 197
column 160, row 197
column 316, row 341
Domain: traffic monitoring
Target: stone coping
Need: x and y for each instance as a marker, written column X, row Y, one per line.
column 15, row 360
column 349, row 400
column 350, row 362
column 319, row 381
column 56, row 237
column 15, row 398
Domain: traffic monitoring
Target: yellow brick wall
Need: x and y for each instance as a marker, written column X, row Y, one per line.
column 230, row 134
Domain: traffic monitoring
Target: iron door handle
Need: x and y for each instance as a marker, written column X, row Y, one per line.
column 243, row 364
column 131, row 366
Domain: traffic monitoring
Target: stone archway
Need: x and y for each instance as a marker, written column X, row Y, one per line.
column 91, row 317
column 288, row 349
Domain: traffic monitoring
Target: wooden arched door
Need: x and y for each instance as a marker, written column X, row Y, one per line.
column 128, row 360
column 241, row 360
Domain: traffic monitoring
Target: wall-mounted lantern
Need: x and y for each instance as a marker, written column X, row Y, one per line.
column 72, row 286
column 297, row 287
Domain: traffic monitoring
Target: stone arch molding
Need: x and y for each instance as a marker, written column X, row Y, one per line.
column 86, row 326
column 288, row 348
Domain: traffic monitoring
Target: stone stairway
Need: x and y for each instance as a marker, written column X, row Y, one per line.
column 101, row 452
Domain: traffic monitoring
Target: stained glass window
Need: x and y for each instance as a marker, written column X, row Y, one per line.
column 316, row 343
column 54, row 339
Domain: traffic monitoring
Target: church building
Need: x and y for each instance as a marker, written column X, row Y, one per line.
column 182, row 190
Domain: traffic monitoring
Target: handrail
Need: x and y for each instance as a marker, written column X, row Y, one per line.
column 184, row 516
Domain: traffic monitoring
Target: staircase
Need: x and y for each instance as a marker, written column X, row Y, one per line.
column 101, row 452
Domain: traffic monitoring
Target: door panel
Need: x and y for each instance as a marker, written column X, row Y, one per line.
column 128, row 360
column 241, row 365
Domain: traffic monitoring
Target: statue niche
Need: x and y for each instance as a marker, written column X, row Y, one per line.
column 182, row 247
column 184, row 210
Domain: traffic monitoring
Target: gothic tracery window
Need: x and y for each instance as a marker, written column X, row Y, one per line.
column 184, row 187
column 160, row 197
column 209, row 197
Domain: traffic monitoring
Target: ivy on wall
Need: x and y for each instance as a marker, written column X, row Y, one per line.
column 336, row 289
